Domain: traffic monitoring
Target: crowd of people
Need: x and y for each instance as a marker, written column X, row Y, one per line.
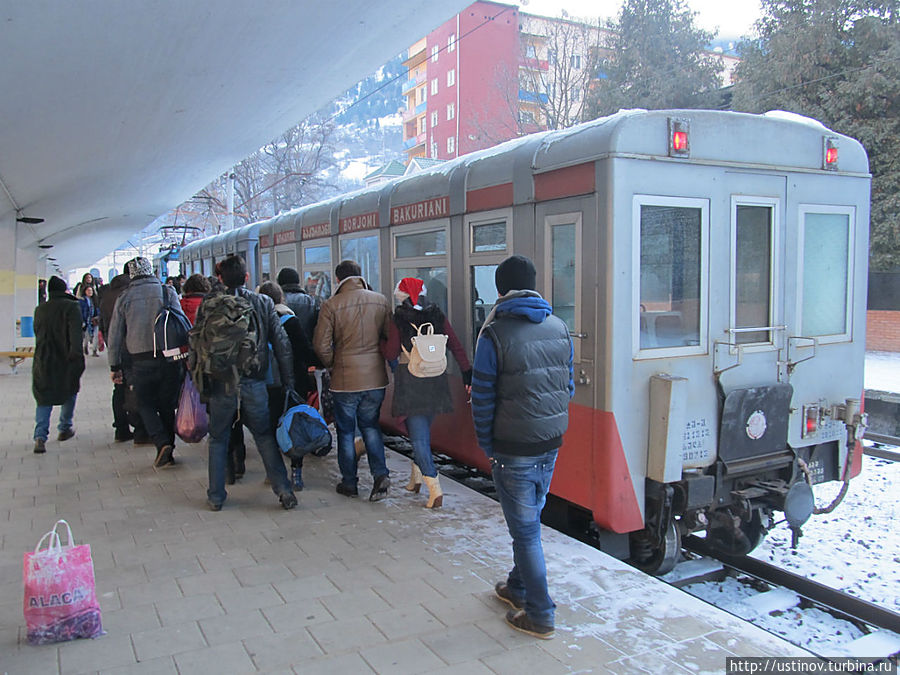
column 519, row 388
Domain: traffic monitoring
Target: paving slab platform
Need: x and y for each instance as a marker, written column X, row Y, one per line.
column 336, row 586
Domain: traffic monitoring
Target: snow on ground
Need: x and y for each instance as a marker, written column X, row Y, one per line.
column 856, row 548
column 883, row 371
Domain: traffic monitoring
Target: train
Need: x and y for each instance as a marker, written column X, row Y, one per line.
column 712, row 269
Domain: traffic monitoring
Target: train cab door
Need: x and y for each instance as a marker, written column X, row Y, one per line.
column 747, row 321
column 568, row 269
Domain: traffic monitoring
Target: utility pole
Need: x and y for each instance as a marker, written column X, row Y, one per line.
column 229, row 201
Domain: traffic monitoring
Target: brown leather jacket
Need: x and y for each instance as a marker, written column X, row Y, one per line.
column 352, row 324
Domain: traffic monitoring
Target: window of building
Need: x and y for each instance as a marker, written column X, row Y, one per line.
column 434, row 119
column 434, row 53
column 434, row 86
column 451, row 77
column 551, row 56
column 451, row 42
column 422, row 125
column 451, row 145
column 434, row 154
column 526, row 117
column 575, row 61
column 530, row 52
column 421, row 95
column 451, row 111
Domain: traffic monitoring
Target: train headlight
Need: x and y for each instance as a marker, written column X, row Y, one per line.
column 810, row 420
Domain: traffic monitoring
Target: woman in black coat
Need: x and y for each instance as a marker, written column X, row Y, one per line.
column 58, row 362
column 421, row 399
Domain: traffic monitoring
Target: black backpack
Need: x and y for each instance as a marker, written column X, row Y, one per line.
column 170, row 332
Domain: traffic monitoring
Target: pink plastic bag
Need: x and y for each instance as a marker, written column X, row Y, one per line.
column 60, row 596
column 191, row 420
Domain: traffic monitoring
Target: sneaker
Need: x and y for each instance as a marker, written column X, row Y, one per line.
column 123, row 436
column 40, row 446
column 380, row 489
column 297, row 477
column 347, row 490
column 66, row 434
column 501, row 590
column 288, row 500
column 213, row 506
column 518, row 619
column 164, row 456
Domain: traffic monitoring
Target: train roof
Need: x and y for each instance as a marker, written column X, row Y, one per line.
column 776, row 140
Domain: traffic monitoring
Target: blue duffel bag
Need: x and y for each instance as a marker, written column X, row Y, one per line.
column 301, row 430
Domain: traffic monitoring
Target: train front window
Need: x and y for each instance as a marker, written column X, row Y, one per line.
column 753, row 262
column 826, row 272
column 435, row 279
column 364, row 250
column 671, row 262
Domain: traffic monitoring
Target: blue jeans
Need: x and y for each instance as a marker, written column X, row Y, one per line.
column 42, row 418
column 522, row 484
column 255, row 415
column 419, row 427
column 362, row 408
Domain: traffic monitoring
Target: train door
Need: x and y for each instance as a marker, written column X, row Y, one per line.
column 364, row 249
column 566, row 245
column 316, row 268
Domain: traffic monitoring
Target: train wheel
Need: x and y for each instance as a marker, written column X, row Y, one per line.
column 656, row 559
column 741, row 539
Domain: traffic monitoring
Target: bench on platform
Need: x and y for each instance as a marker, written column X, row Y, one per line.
column 18, row 356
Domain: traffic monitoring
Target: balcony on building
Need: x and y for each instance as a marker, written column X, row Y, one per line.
column 416, row 54
column 412, row 83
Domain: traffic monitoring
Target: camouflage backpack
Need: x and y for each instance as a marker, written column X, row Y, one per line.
column 224, row 342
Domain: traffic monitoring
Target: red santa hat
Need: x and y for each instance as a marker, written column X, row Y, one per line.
column 409, row 287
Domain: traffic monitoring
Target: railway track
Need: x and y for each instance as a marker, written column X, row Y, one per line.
column 886, row 447
column 879, row 626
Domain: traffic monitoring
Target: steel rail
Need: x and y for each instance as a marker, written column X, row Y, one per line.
column 892, row 454
column 837, row 601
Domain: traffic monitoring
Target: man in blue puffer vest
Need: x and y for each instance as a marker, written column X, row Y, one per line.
column 522, row 381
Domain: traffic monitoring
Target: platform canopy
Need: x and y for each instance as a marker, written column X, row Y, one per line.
column 113, row 112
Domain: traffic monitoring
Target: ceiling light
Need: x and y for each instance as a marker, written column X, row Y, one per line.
column 29, row 221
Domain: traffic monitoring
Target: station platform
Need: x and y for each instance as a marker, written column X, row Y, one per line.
column 337, row 585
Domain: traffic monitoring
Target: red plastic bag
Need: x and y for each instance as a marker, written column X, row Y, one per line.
column 60, row 597
column 191, row 420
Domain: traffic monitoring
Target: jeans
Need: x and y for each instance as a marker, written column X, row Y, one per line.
column 522, row 484
column 419, row 427
column 255, row 414
column 157, row 384
column 363, row 408
column 42, row 418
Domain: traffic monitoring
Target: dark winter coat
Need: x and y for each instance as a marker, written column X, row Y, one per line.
column 58, row 358
column 421, row 395
column 304, row 306
column 111, row 292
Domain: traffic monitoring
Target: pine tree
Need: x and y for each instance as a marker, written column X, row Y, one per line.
column 655, row 59
column 837, row 61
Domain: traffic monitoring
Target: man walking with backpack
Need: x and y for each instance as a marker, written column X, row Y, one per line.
column 131, row 342
column 352, row 324
column 230, row 360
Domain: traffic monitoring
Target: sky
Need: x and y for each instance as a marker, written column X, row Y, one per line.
column 732, row 19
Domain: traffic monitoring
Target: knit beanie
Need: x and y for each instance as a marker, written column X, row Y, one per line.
column 139, row 267
column 516, row 273
column 409, row 287
column 288, row 276
column 56, row 284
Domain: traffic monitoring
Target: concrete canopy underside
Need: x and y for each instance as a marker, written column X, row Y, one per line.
column 114, row 112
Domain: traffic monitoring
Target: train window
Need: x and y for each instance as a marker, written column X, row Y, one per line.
column 286, row 257
column 564, row 238
column 364, row 250
column 488, row 237
column 752, row 270
column 671, row 245
column 421, row 244
column 435, row 279
column 317, row 270
column 484, row 296
column 265, row 270
column 826, row 271
column 317, row 255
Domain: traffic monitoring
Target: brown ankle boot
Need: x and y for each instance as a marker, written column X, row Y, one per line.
column 415, row 479
column 435, row 495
